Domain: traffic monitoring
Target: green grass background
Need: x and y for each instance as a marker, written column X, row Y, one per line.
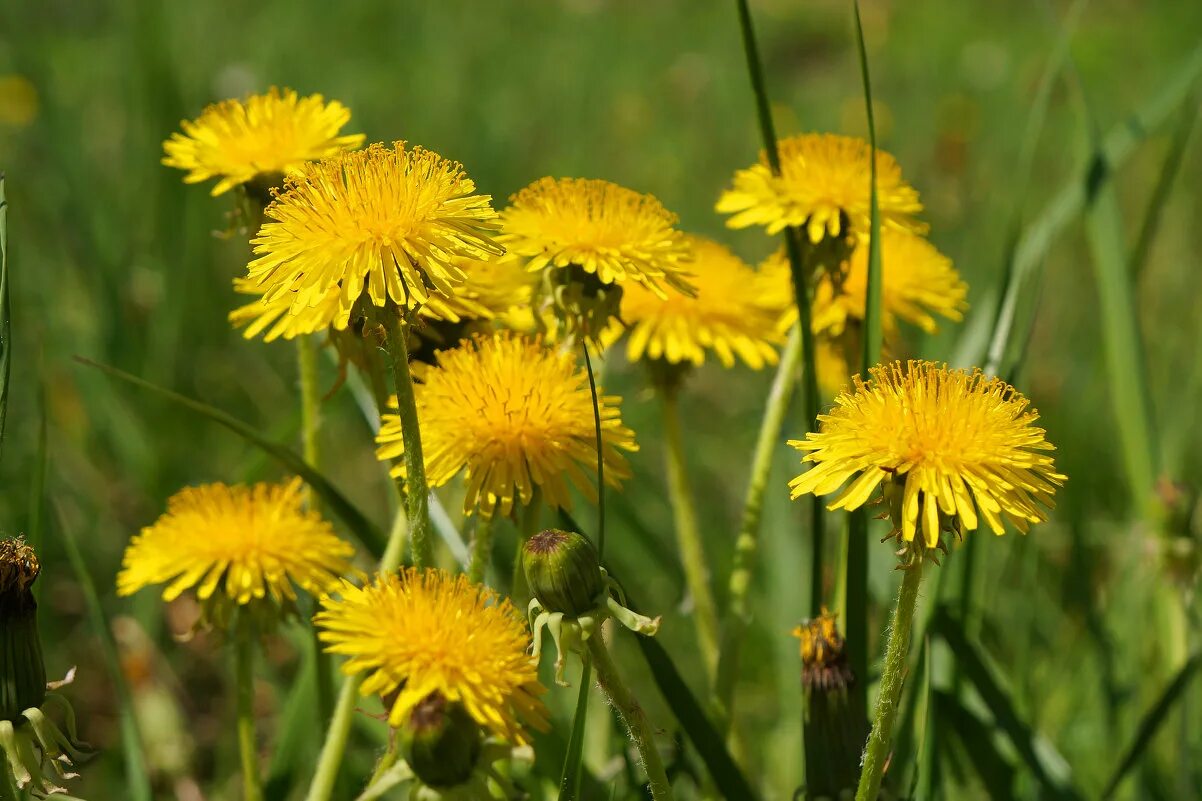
column 113, row 257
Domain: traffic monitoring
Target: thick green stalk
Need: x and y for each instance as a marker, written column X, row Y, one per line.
column 793, row 247
column 747, row 542
column 416, row 494
column 481, row 550
column 876, row 754
column 245, row 690
column 688, row 538
column 633, row 717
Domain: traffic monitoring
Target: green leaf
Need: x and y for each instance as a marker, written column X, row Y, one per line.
column 1151, row 723
column 981, row 674
column 368, row 534
column 996, row 773
column 136, row 775
column 6, row 345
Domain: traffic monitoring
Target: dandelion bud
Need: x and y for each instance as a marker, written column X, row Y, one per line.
column 836, row 724
column 22, row 671
column 564, row 572
column 441, row 742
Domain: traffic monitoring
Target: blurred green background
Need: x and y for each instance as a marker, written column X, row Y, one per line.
column 114, row 258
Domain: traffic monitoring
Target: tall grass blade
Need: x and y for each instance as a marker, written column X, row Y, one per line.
column 367, row 533
column 995, row 771
column 137, row 776
column 6, row 345
column 978, row 671
column 1037, row 238
column 710, row 745
column 1151, row 723
column 1164, row 186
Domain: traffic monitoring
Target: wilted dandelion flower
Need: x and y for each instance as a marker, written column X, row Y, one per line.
column 243, row 543
column 414, row 634
column 606, row 230
column 728, row 314
column 823, row 186
column 387, row 223
column 512, row 414
column 265, row 135
column 949, row 442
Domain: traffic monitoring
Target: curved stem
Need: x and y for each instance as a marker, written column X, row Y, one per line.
column 688, row 538
column 481, row 550
column 877, row 751
column 633, row 718
column 416, row 494
column 747, row 542
column 245, row 692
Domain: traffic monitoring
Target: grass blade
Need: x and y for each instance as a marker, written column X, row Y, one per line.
column 996, row 773
column 569, row 779
column 368, row 534
column 1164, row 186
column 1151, row 723
column 136, row 774
column 982, row 676
column 6, row 346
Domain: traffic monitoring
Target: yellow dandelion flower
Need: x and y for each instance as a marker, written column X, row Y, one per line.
column 728, row 314
column 257, row 541
column 269, row 134
column 275, row 319
column 385, row 221
column 512, row 414
column 607, row 230
column 413, row 634
column 824, row 179
column 954, row 442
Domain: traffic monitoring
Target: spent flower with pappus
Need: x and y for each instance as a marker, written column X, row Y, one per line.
column 948, row 445
column 573, row 594
column 414, row 634
column 590, row 239
column 728, row 314
column 260, row 139
column 823, row 188
column 32, row 744
column 238, row 546
column 389, row 224
column 511, row 414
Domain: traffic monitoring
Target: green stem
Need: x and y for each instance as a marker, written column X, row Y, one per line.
column 417, row 494
column 876, row 753
column 633, row 717
column 481, row 550
column 527, row 528
column 245, row 690
column 332, row 750
column 688, row 537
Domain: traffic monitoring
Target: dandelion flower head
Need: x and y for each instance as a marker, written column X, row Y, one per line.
column 512, row 414
column 269, row 134
column 413, row 634
column 728, row 314
column 955, row 442
column 249, row 542
column 823, row 185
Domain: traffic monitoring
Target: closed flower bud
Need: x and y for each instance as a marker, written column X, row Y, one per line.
column 441, row 742
column 564, row 572
column 22, row 671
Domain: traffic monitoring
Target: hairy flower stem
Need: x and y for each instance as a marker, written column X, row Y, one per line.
column 633, row 717
column 747, row 542
column 688, row 538
column 416, row 495
column 245, row 692
column 481, row 550
column 877, row 752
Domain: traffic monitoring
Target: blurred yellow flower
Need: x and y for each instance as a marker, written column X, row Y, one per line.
column 729, row 314
column 823, row 186
column 512, row 414
column 951, row 442
column 387, row 222
column 413, row 634
column 265, row 135
column 18, row 101
column 257, row 541
column 614, row 233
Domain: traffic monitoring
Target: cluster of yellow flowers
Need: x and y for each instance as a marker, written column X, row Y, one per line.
column 396, row 237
